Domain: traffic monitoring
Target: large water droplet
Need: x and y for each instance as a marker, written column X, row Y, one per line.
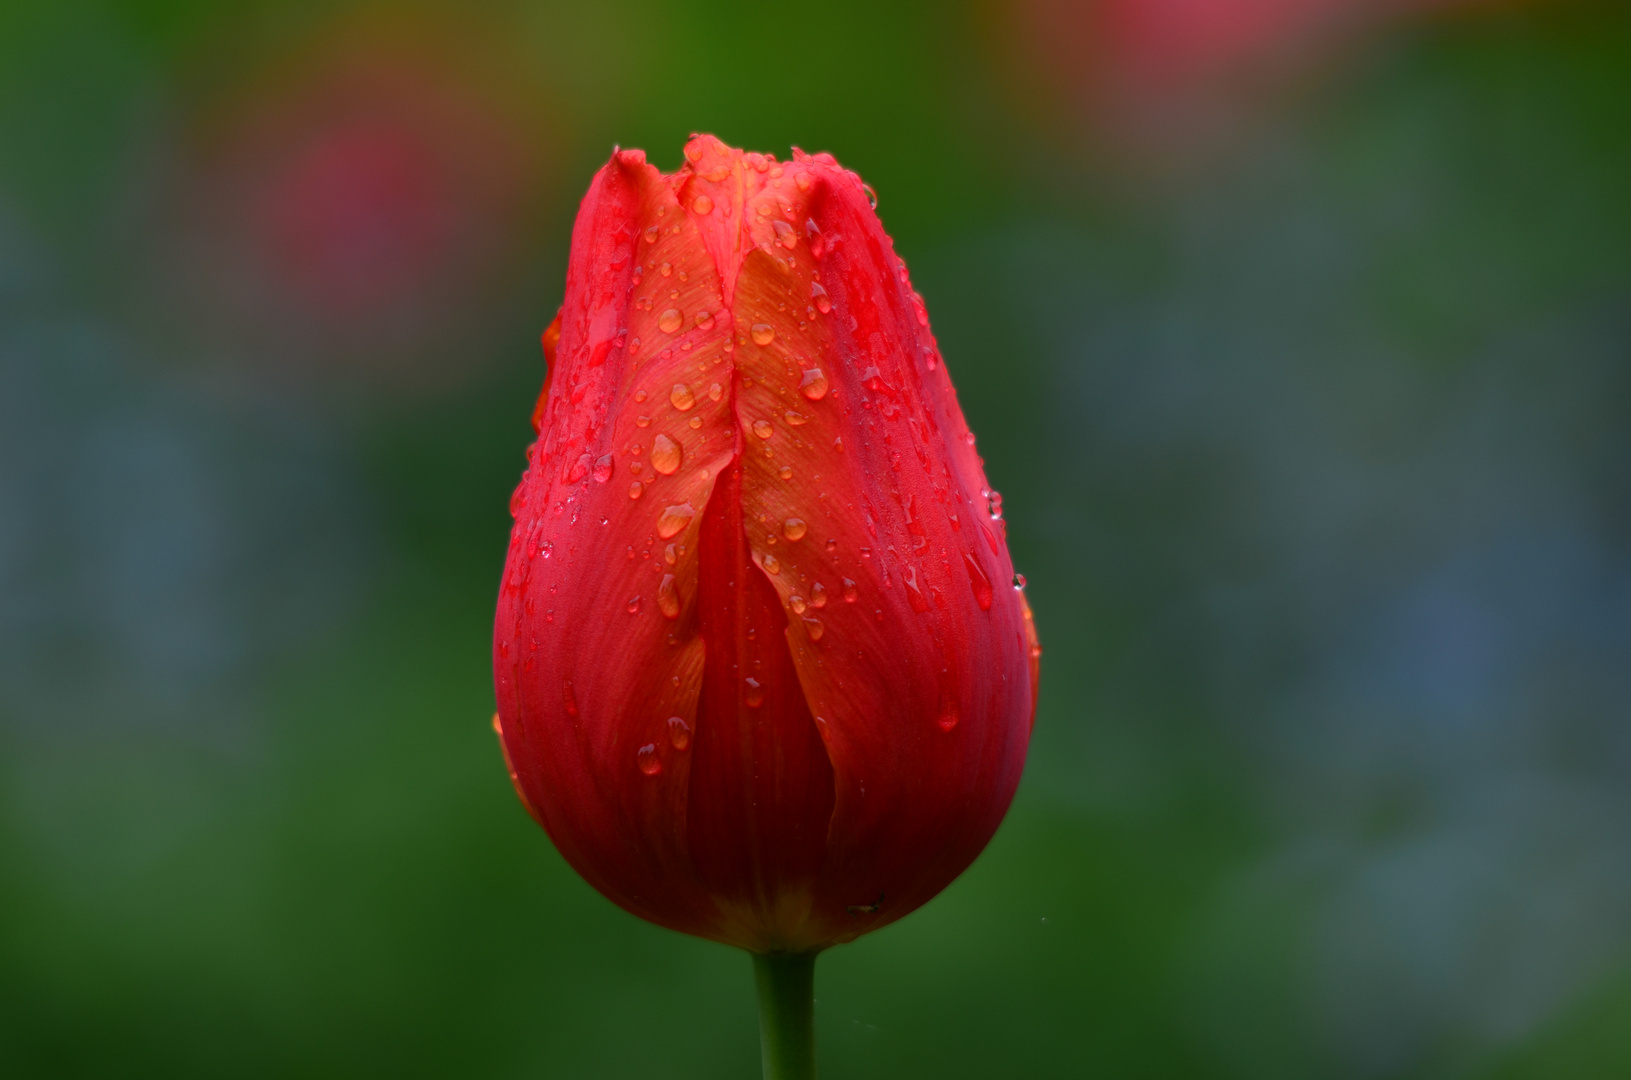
column 1019, row 581
column 651, row 234
column 815, row 628
column 642, row 421
column 818, row 595
column 772, row 565
column 715, row 392
column 636, row 489
column 794, row 528
column 871, row 196
column 646, row 758
column 797, row 603
column 785, row 234
column 823, row 302
column 702, row 204
column 914, row 593
column 673, row 519
column 705, row 319
column 796, row 418
column 634, row 605
column 850, row 591
column 754, row 695
column 814, row 384
column 978, row 580
column 603, row 468
column 665, row 455
column 668, row 598
column 762, row 429
column 681, row 397
column 669, row 321
column 679, row 732
column 579, row 468
column 763, row 333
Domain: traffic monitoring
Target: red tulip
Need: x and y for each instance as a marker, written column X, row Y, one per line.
column 760, row 670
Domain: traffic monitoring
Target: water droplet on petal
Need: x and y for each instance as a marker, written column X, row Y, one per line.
column 651, row 234
column 705, row 319
column 818, row 595
column 647, row 759
column 669, row 321
column 823, row 302
column 797, row 603
column 681, row 397
column 795, row 418
column 603, row 468
column 814, row 384
column 762, row 429
column 636, row 489
column 679, row 732
column 980, row 583
column 755, row 694
column 785, row 235
column 785, row 472
column 642, row 421
column 838, row 444
column 850, row 591
column 673, row 519
column 871, row 196
column 803, row 181
column 763, row 333
column 815, row 628
column 772, row 565
column 668, row 598
column 634, row 605
column 666, row 455
column 832, row 543
column 715, row 392
column 702, row 204
column 1019, row 581
column 794, row 528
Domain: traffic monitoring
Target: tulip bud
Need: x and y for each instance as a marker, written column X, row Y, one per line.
column 760, row 670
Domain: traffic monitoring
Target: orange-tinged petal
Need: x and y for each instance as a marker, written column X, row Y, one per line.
column 918, row 682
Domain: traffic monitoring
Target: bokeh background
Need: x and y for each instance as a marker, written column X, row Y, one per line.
column 1296, row 332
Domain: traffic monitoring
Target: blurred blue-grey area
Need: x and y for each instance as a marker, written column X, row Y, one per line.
column 1297, row 334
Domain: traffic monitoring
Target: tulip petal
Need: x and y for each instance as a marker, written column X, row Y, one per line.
column 870, row 490
column 596, row 641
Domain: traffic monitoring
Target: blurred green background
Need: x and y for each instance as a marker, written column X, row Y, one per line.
column 1297, row 334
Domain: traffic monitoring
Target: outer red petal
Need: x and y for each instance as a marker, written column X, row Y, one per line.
column 922, row 684
column 596, row 642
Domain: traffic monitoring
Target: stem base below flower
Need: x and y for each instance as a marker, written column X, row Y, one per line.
column 786, row 983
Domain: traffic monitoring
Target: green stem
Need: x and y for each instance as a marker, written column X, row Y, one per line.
column 786, row 984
